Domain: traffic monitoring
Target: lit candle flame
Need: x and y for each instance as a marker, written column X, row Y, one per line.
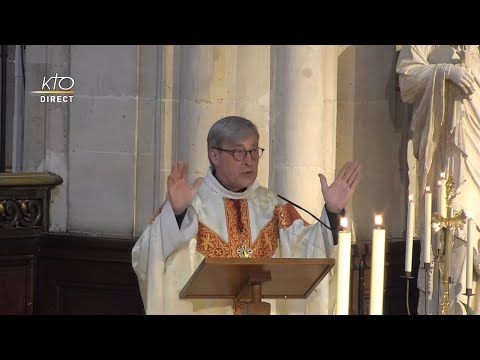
column 439, row 183
column 344, row 222
column 427, row 189
column 410, row 197
column 442, row 175
column 378, row 220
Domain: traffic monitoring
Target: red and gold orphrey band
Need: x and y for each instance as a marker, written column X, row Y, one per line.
column 210, row 244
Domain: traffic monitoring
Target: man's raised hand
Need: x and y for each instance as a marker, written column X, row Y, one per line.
column 338, row 194
column 180, row 194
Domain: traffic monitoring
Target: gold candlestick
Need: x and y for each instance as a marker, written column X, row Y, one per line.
column 448, row 224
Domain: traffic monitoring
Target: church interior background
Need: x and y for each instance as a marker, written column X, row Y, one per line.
column 94, row 163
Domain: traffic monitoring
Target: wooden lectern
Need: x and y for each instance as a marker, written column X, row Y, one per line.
column 256, row 278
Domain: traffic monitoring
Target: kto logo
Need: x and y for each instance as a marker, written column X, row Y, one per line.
column 61, row 86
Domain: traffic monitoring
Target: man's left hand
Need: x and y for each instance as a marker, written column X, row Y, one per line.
column 338, row 194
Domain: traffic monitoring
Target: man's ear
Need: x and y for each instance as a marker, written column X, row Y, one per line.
column 213, row 155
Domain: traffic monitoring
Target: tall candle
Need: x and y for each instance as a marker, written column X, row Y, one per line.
column 438, row 210
column 469, row 268
column 427, row 234
column 443, row 196
column 409, row 240
column 378, row 267
column 447, row 274
column 343, row 268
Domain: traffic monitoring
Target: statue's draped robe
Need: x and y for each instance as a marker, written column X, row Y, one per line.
column 446, row 137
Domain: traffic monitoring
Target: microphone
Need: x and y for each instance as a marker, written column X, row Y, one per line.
column 308, row 212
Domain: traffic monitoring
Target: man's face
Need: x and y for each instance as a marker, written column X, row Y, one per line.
column 236, row 174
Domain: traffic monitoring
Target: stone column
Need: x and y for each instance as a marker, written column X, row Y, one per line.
column 165, row 120
column 303, row 122
column 147, row 122
column 217, row 81
column 202, row 91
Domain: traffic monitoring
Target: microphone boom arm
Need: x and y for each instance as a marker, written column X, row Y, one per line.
column 308, row 212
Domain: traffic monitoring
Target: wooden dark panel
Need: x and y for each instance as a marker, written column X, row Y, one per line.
column 96, row 299
column 16, row 284
column 73, row 274
column 87, row 275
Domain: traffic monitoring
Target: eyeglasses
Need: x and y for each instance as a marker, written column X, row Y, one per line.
column 240, row 154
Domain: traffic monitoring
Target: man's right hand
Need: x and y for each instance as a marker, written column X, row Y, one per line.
column 180, row 194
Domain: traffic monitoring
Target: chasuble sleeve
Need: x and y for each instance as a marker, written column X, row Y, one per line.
column 160, row 239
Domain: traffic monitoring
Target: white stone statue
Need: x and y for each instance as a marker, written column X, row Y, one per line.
column 442, row 82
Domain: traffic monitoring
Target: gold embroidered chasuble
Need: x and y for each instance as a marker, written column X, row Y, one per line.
column 220, row 223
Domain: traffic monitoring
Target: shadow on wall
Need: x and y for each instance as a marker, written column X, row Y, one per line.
column 371, row 128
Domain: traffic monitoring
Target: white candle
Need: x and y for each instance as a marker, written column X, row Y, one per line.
column 469, row 268
column 378, row 267
column 410, row 227
column 443, row 196
column 427, row 234
column 343, row 268
column 438, row 210
column 439, row 197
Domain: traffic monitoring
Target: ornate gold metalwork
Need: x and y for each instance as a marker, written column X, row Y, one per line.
column 25, row 202
column 24, row 206
column 458, row 221
column 448, row 223
column 244, row 251
column 17, row 214
column 445, row 299
column 451, row 191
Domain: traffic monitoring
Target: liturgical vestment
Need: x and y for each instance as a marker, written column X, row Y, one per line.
column 222, row 223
